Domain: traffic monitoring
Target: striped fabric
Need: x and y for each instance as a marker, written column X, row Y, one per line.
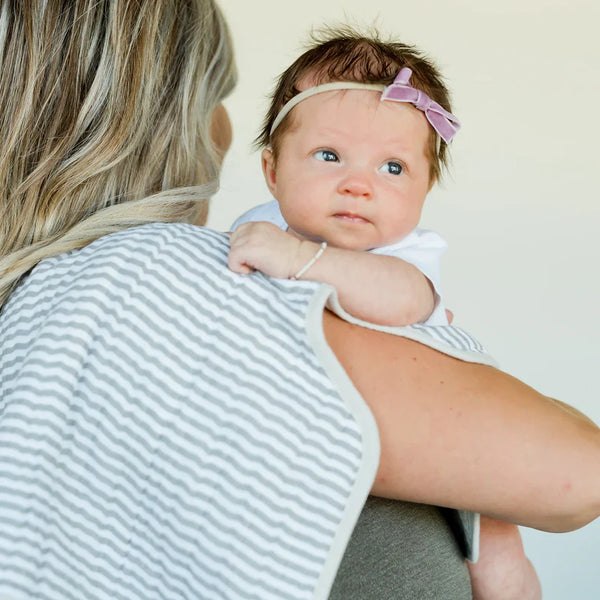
column 454, row 337
column 166, row 430
column 169, row 429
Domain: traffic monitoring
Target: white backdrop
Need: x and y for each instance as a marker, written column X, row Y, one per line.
column 520, row 209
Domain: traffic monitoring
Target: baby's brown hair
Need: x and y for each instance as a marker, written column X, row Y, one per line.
column 345, row 54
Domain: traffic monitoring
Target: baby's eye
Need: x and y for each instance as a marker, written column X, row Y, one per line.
column 326, row 155
column 392, row 167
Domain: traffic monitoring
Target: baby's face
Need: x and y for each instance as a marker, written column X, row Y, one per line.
column 351, row 170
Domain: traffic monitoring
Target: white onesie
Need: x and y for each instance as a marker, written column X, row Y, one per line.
column 421, row 248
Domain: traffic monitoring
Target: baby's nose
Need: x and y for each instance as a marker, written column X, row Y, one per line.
column 356, row 184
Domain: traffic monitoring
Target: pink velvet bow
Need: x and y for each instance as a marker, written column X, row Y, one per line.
column 445, row 123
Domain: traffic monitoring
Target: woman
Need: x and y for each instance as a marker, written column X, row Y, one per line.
column 156, row 440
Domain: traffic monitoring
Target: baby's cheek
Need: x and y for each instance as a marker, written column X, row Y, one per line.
column 304, row 223
column 401, row 224
column 296, row 213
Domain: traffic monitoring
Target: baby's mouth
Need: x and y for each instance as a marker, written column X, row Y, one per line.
column 350, row 217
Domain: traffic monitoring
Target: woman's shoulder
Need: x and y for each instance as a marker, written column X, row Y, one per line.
column 136, row 266
column 165, row 239
column 153, row 267
column 150, row 252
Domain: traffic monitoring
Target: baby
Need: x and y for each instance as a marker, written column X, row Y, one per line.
column 355, row 138
column 351, row 171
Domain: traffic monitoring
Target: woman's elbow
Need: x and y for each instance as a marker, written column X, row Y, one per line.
column 575, row 515
column 576, row 498
column 576, row 504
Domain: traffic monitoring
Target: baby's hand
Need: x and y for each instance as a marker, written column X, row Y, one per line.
column 262, row 246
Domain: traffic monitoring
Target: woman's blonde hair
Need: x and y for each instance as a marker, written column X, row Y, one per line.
column 105, row 113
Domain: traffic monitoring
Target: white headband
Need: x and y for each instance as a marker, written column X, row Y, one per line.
column 319, row 89
column 400, row 90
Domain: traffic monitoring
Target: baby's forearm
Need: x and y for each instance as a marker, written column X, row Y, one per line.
column 380, row 289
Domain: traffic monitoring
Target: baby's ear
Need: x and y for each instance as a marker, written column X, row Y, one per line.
column 268, row 167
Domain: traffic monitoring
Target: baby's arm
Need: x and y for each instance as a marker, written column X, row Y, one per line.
column 503, row 571
column 381, row 289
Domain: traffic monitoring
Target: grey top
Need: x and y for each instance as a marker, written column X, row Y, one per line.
column 402, row 551
column 169, row 429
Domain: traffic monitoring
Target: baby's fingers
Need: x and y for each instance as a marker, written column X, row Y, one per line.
column 262, row 247
column 242, row 268
column 236, row 259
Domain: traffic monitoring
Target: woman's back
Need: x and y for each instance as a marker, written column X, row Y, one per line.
column 167, row 429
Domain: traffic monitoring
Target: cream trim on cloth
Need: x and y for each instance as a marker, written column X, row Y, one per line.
column 370, row 436
column 450, row 340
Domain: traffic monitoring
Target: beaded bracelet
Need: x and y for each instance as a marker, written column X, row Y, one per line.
column 311, row 262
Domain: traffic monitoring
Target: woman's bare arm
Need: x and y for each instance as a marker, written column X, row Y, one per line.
column 469, row 436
